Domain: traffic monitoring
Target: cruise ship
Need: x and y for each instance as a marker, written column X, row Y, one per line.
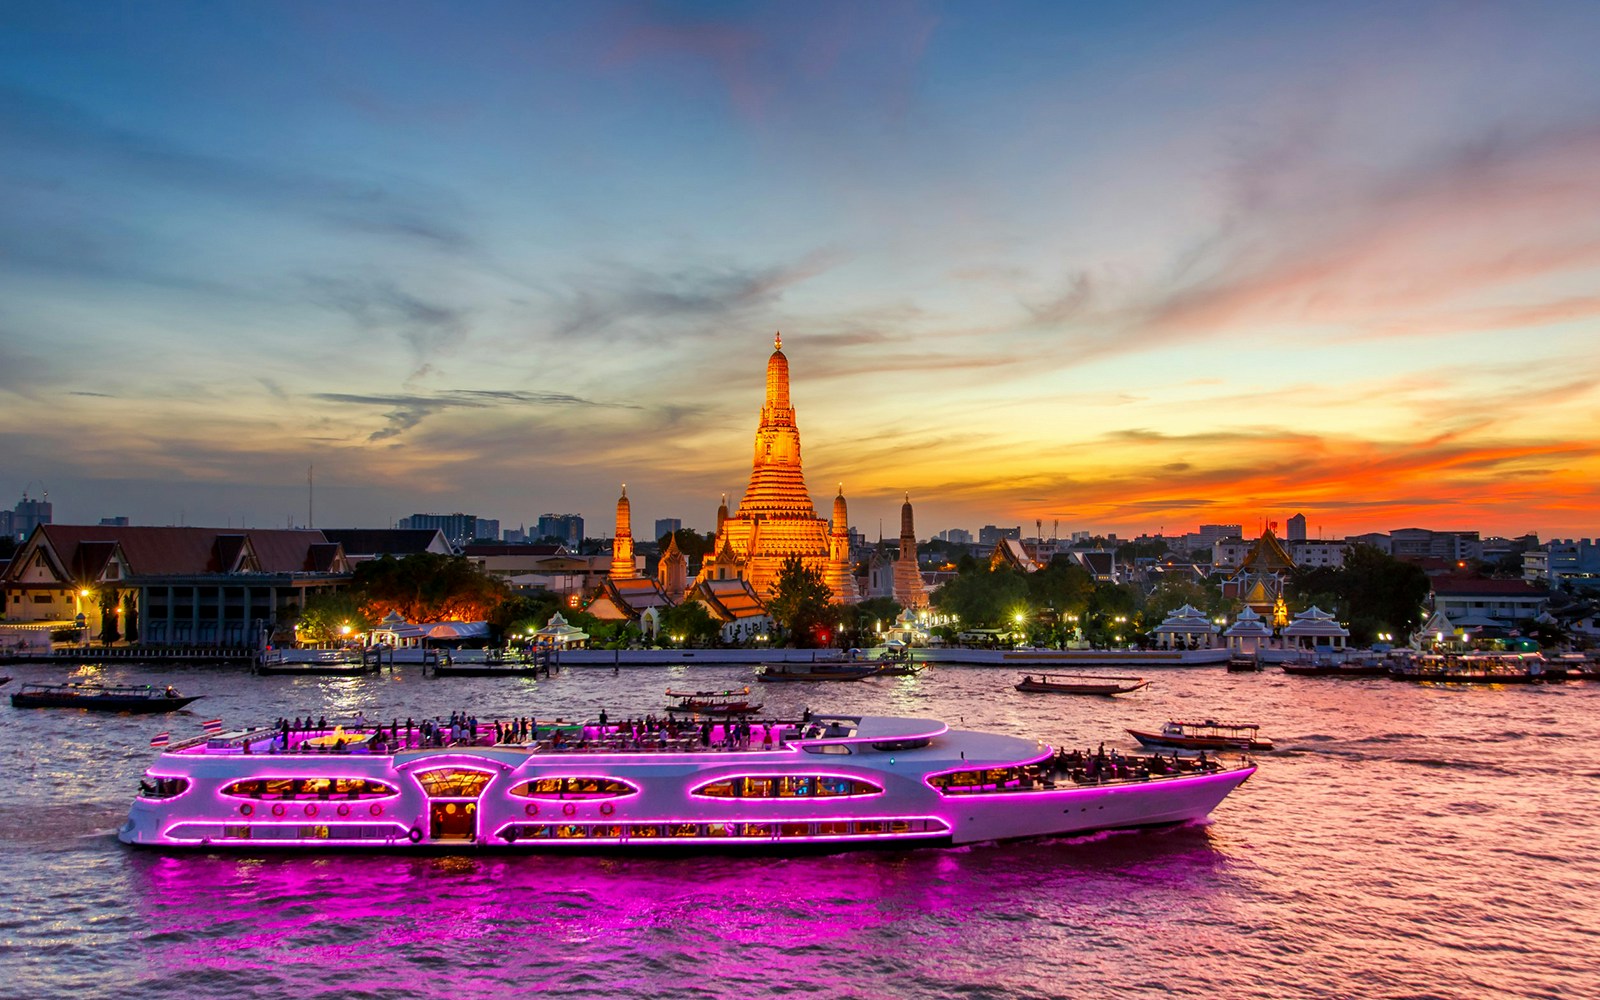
column 832, row 783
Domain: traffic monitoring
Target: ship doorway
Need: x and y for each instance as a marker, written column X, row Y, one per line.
column 453, row 821
column 453, row 794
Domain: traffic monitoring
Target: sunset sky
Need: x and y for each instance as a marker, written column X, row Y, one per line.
column 1123, row 267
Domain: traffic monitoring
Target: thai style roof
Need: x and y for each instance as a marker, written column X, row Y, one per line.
column 1314, row 621
column 367, row 543
column 1267, row 555
column 1248, row 623
column 727, row 600
column 633, row 596
column 1186, row 620
column 174, row 551
column 1010, row 552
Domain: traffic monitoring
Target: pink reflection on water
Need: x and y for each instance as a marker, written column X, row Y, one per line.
column 480, row 924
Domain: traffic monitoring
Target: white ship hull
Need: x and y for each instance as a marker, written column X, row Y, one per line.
column 888, row 782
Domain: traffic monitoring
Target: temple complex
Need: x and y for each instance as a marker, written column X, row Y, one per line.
column 776, row 518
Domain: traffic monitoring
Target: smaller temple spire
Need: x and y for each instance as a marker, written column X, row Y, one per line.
column 777, row 341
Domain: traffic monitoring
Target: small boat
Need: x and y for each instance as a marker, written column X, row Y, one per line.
column 1349, row 668
column 1474, row 668
column 318, row 662
column 731, row 702
column 1103, row 684
column 5, row 681
column 101, row 698
column 1243, row 664
column 837, row 671
column 1207, row 735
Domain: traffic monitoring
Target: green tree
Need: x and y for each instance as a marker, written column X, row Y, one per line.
column 693, row 622
column 428, row 587
column 984, row 598
column 799, row 603
column 328, row 613
column 523, row 613
column 1374, row 592
column 1063, row 585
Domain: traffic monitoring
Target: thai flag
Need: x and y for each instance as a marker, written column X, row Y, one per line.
column 212, row 725
column 160, row 739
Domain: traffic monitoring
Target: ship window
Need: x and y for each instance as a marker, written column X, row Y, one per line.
column 719, row 829
column 644, row 830
column 765, row 786
column 572, row 831
column 795, row 830
column 162, row 788
column 686, row 830
column 453, row 783
column 756, row 830
column 838, row 748
column 833, row 829
column 911, row 744
column 573, row 788
column 309, row 788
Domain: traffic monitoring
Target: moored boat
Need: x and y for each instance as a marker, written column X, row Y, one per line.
column 319, row 662
column 1474, row 668
column 1208, row 734
column 1097, row 684
column 835, row 671
column 829, row 783
column 144, row 698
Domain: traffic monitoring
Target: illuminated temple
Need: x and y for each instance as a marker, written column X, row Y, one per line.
column 776, row 518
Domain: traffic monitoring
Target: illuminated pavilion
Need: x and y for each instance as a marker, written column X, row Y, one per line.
column 776, row 518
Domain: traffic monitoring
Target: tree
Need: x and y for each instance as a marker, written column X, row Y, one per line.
column 858, row 622
column 130, row 618
column 981, row 597
column 109, row 600
column 692, row 621
column 799, row 603
column 427, row 587
column 328, row 614
column 1374, row 592
column 523, row 613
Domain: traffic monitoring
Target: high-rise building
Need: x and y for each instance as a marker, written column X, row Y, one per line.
column 667, row 526
column 1295, row 528
column 114, row 522
column 567, row 527
column 29, row 514
column 487, row 528
column 991, row 535
column 957, row 536
column 459, row 529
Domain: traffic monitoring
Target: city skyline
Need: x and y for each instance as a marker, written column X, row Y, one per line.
column 1129, row 271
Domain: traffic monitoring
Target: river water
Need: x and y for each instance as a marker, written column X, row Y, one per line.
column 1403, row 841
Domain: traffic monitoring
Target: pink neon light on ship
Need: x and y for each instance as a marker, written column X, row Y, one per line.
column 189, row 786
column 695, row 793
column 1107, row 788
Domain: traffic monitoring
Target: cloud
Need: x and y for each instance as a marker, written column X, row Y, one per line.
column 429, row 328
column 608, row 301
column 407, row 411
column 37, row 127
